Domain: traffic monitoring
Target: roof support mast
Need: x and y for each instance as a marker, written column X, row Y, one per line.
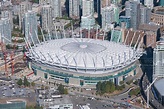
column 126, row 37
column 42, row 34
column 56, row 33
column 96, row 32
column 32, row 39
column 37, row 37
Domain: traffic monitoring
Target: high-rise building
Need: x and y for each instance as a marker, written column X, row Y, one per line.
column 7, row 14
column 87, row 19
column 132, row 10
column 56, row 8
column 158, row 60
column 31, row 26
column 74, row 9
column 124, row 22
column 145, row 14
column 149, row 3
column 110, row 14
column 46, row 18
column 5, row 30
column 24, row 7
column 43, row 2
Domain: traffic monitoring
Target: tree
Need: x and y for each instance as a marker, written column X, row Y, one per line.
column 26, row 83
column 121, row 82
column 98, row 86
column 32, row 84
column 62, row 90
column 34, row 107
column 35, row 1
column 42, row 87
column 19, row 82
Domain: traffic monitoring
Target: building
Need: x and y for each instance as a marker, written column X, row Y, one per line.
column 158, row 59
column 68, row 61
column 36, row 8
column 7, row 14
column 5, row 30
column 31, row 27
column 110, row 14
column 161, row 2
column 56, row 8
column 43, row 2
column 145, row 14
column 150, row 39
column 93, row 34
column 61, row 23
column 13, row 104
column 87, row 19
column 105, row 3
column 116, row 35
column 124, row 21
column 152, row 34
column 132, row 10
column 133, row 38
column 46, row 18
column 74, row 9
column 54, row 101
column 157, row 15
column 24, row 7
column 149, row 3
column 159, row 91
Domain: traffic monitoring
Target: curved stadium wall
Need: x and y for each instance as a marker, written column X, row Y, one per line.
column 83, row 61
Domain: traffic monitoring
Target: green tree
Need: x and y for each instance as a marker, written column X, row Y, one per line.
column 62, row 90
column 98, row 86
column 42, row 87
column 19, row 82
column 35, row 1
column 26, row 83
column 32, row 84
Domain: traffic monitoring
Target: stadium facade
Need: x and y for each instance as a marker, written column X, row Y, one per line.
column 83, row 61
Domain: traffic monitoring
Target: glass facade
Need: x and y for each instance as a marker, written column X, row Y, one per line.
column 87, row 79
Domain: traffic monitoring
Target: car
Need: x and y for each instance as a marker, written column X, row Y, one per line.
column 5, row 88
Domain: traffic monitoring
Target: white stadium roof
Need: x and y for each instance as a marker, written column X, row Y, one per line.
column 83, row 53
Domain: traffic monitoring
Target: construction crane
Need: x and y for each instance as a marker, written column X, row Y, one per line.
column 12, row 57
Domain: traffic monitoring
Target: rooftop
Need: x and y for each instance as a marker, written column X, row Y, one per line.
column 84, row 54
column 159, row 86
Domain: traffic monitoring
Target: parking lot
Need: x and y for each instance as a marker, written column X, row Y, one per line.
column 10, row 90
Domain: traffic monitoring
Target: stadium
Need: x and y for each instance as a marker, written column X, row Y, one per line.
column 83, row 61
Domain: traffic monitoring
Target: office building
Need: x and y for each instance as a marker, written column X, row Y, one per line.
column 46, row 18
column 132, row 10
column 110, row 14
column 158, row 59
column 31, row 27
column 157, row 15
column 24, row 7
column 7, row 14
column 74, row 9
column 124, row 21
column 149, row 3
column 145, row 14
column 56, row 8
column 5, row 30
column 87, row 19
